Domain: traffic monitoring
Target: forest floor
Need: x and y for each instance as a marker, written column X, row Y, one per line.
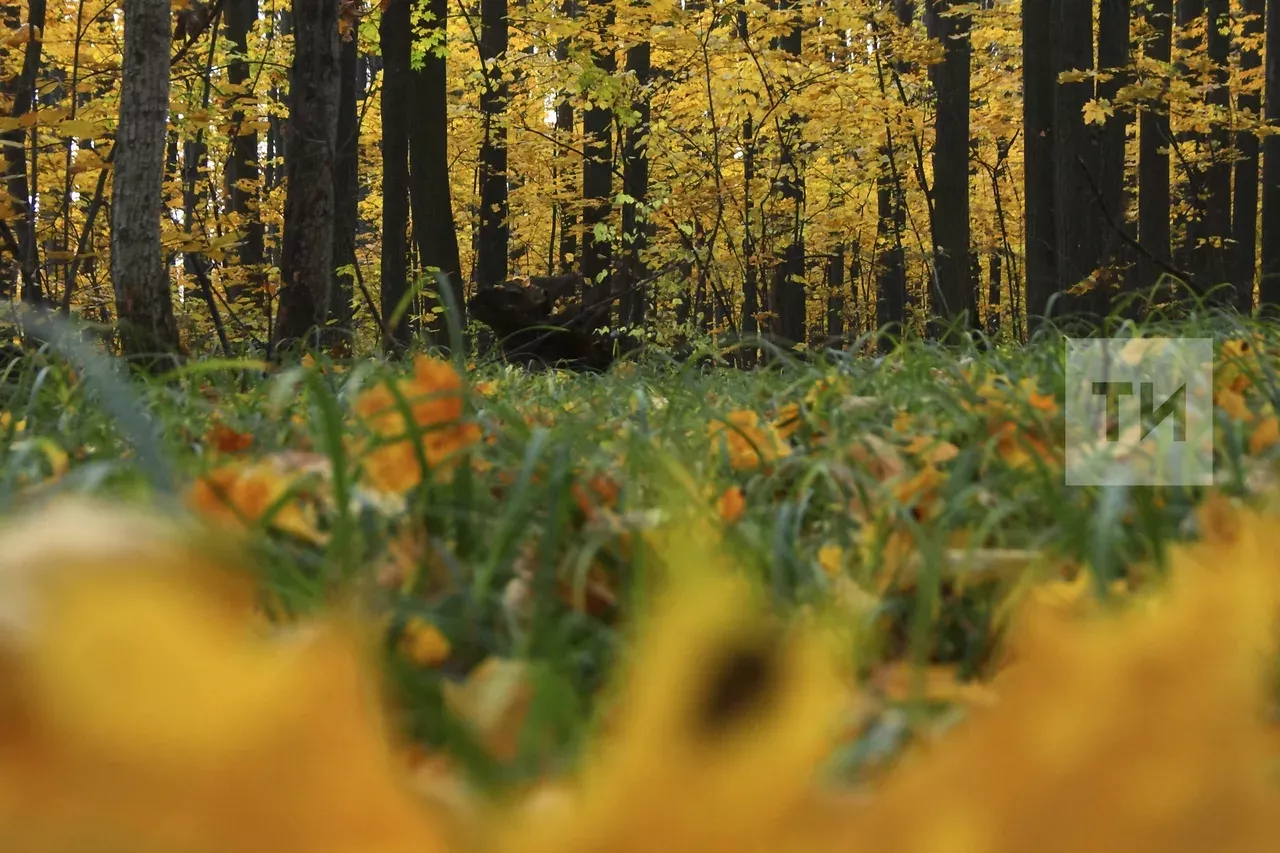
column 910, row 510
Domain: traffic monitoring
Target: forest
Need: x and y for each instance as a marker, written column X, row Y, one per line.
column 555, row 426
column 806, row 171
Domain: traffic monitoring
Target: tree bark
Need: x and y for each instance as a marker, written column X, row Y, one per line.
column 597, row 180
column 1077, row 158
column 346, row 198
column 396, row 39
column 954, row 293
column 1113, row 59
column 835, row 294
column 1212, row 265
column 1154, row 139
column 789, row 291
column 1270, row 284
column 1039, row 82
column 144, row 307
column 434, row 228
column 306, row 262
column 494, row 232
column 1244, row 225
column 635, row 183
column 242, row 172
column 24, row 94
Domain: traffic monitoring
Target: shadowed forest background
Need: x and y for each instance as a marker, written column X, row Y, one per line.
column 806, row 170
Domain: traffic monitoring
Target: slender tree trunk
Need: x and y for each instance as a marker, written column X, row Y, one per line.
column 635, row 183
column 494, row 232
column 835, row 295
column 1244, row 226
column 568, row 220
column 954, row 293
column 242, row 170
column 1076, row 154
column 1113, row 59
column 306, row 262
column 433, row 222
column 346, row 199
column 144, row 306
column 17, row 167
column 750, row 280
column 1188, row 254
column 396, row 39
column 1039, row 83
column 1154, row 139
column 993, row 294
column 891, row 202
column 1212, row 265
column 597, row 181
column 789, row 291
column 1270, row 285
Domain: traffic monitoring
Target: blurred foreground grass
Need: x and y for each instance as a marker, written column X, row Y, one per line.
column 864, row 575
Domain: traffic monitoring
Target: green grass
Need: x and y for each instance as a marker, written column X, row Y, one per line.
column 144, row 439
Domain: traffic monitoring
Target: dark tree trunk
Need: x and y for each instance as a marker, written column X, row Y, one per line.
column 1113, row 59
column 632, row 272
column 144, row 306
column 346, row 198
column 789, row 292
column 835, row 294
column 1039, row 83
column 597, row 184
column 993, row 294
column 395, row 36
column 954, row 292
column 433, row 223
column 567, row 251
column 242, row 167
column 1269, row 293
column 1244, row 226
column 1076, row 153
column 16, row 171
column 891, row 208
column 306, row 260
column 1212, row 264
column 1154, row 139
column 1187, row 254
column 494, row 232
column 750, row 280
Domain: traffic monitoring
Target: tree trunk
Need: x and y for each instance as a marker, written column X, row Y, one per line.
column 1076, row 154
column 1113, row 59
column 954, row 293
column 1154, row 139
column 1039, row 82
column 1270, row 285
column 242, row 168
column 494, row 232
column 395, row 36
column 789, row 292
column 433, row 223
column 1212, row 264
column 144, row 306
column 1244, row 224
column 567, row 251
column 635, row 183
column 24, row 94
column 346, row 199
column 306, row 263
column 597, row 184
column 749, row 324
column 835, row 295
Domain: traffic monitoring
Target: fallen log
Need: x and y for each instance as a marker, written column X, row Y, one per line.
column 533, row 333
